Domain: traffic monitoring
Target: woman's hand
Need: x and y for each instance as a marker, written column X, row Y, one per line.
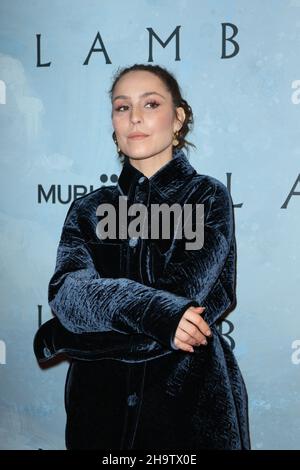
column 191, row 330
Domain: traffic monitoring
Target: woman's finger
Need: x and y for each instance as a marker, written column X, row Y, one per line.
column 189, row 333
column 192, row 314
column 181, row 345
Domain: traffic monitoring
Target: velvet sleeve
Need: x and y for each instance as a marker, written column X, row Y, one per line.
column 85, row 302
column 207, row 275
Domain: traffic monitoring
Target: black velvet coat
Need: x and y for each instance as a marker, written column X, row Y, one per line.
column 116, row 306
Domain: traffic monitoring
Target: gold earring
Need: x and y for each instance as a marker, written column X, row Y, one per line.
column 175, row 139
column 116, row 142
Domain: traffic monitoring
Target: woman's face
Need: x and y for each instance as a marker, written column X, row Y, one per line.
column 141, row 103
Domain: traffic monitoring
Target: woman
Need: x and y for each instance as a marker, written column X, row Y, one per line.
column 138, row 316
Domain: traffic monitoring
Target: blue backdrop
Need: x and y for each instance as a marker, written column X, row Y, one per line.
column 57, row 60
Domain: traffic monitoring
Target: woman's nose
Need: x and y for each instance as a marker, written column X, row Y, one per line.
column 136, row 115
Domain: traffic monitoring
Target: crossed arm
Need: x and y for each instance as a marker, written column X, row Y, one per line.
column 84, row 302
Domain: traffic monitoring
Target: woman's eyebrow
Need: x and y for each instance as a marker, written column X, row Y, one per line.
column 141, row 96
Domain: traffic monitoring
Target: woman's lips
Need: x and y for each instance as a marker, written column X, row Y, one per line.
column 138, row 137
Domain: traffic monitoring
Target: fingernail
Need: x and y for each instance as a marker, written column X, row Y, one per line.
column 204, row 341
column 209, row 333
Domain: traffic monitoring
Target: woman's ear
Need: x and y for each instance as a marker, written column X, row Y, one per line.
column 180, row 112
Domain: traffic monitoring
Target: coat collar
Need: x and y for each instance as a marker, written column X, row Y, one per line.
column 169, row 179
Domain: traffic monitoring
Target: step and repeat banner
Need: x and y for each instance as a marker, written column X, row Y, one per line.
column 238, row 65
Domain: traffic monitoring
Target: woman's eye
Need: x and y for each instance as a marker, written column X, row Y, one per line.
column 153, row 103
column 119, row 108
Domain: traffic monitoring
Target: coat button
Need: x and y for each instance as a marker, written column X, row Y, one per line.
column 47, row 352
column 132, row 400
column 133, row 242
column 141, row 180
column 139, row 200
